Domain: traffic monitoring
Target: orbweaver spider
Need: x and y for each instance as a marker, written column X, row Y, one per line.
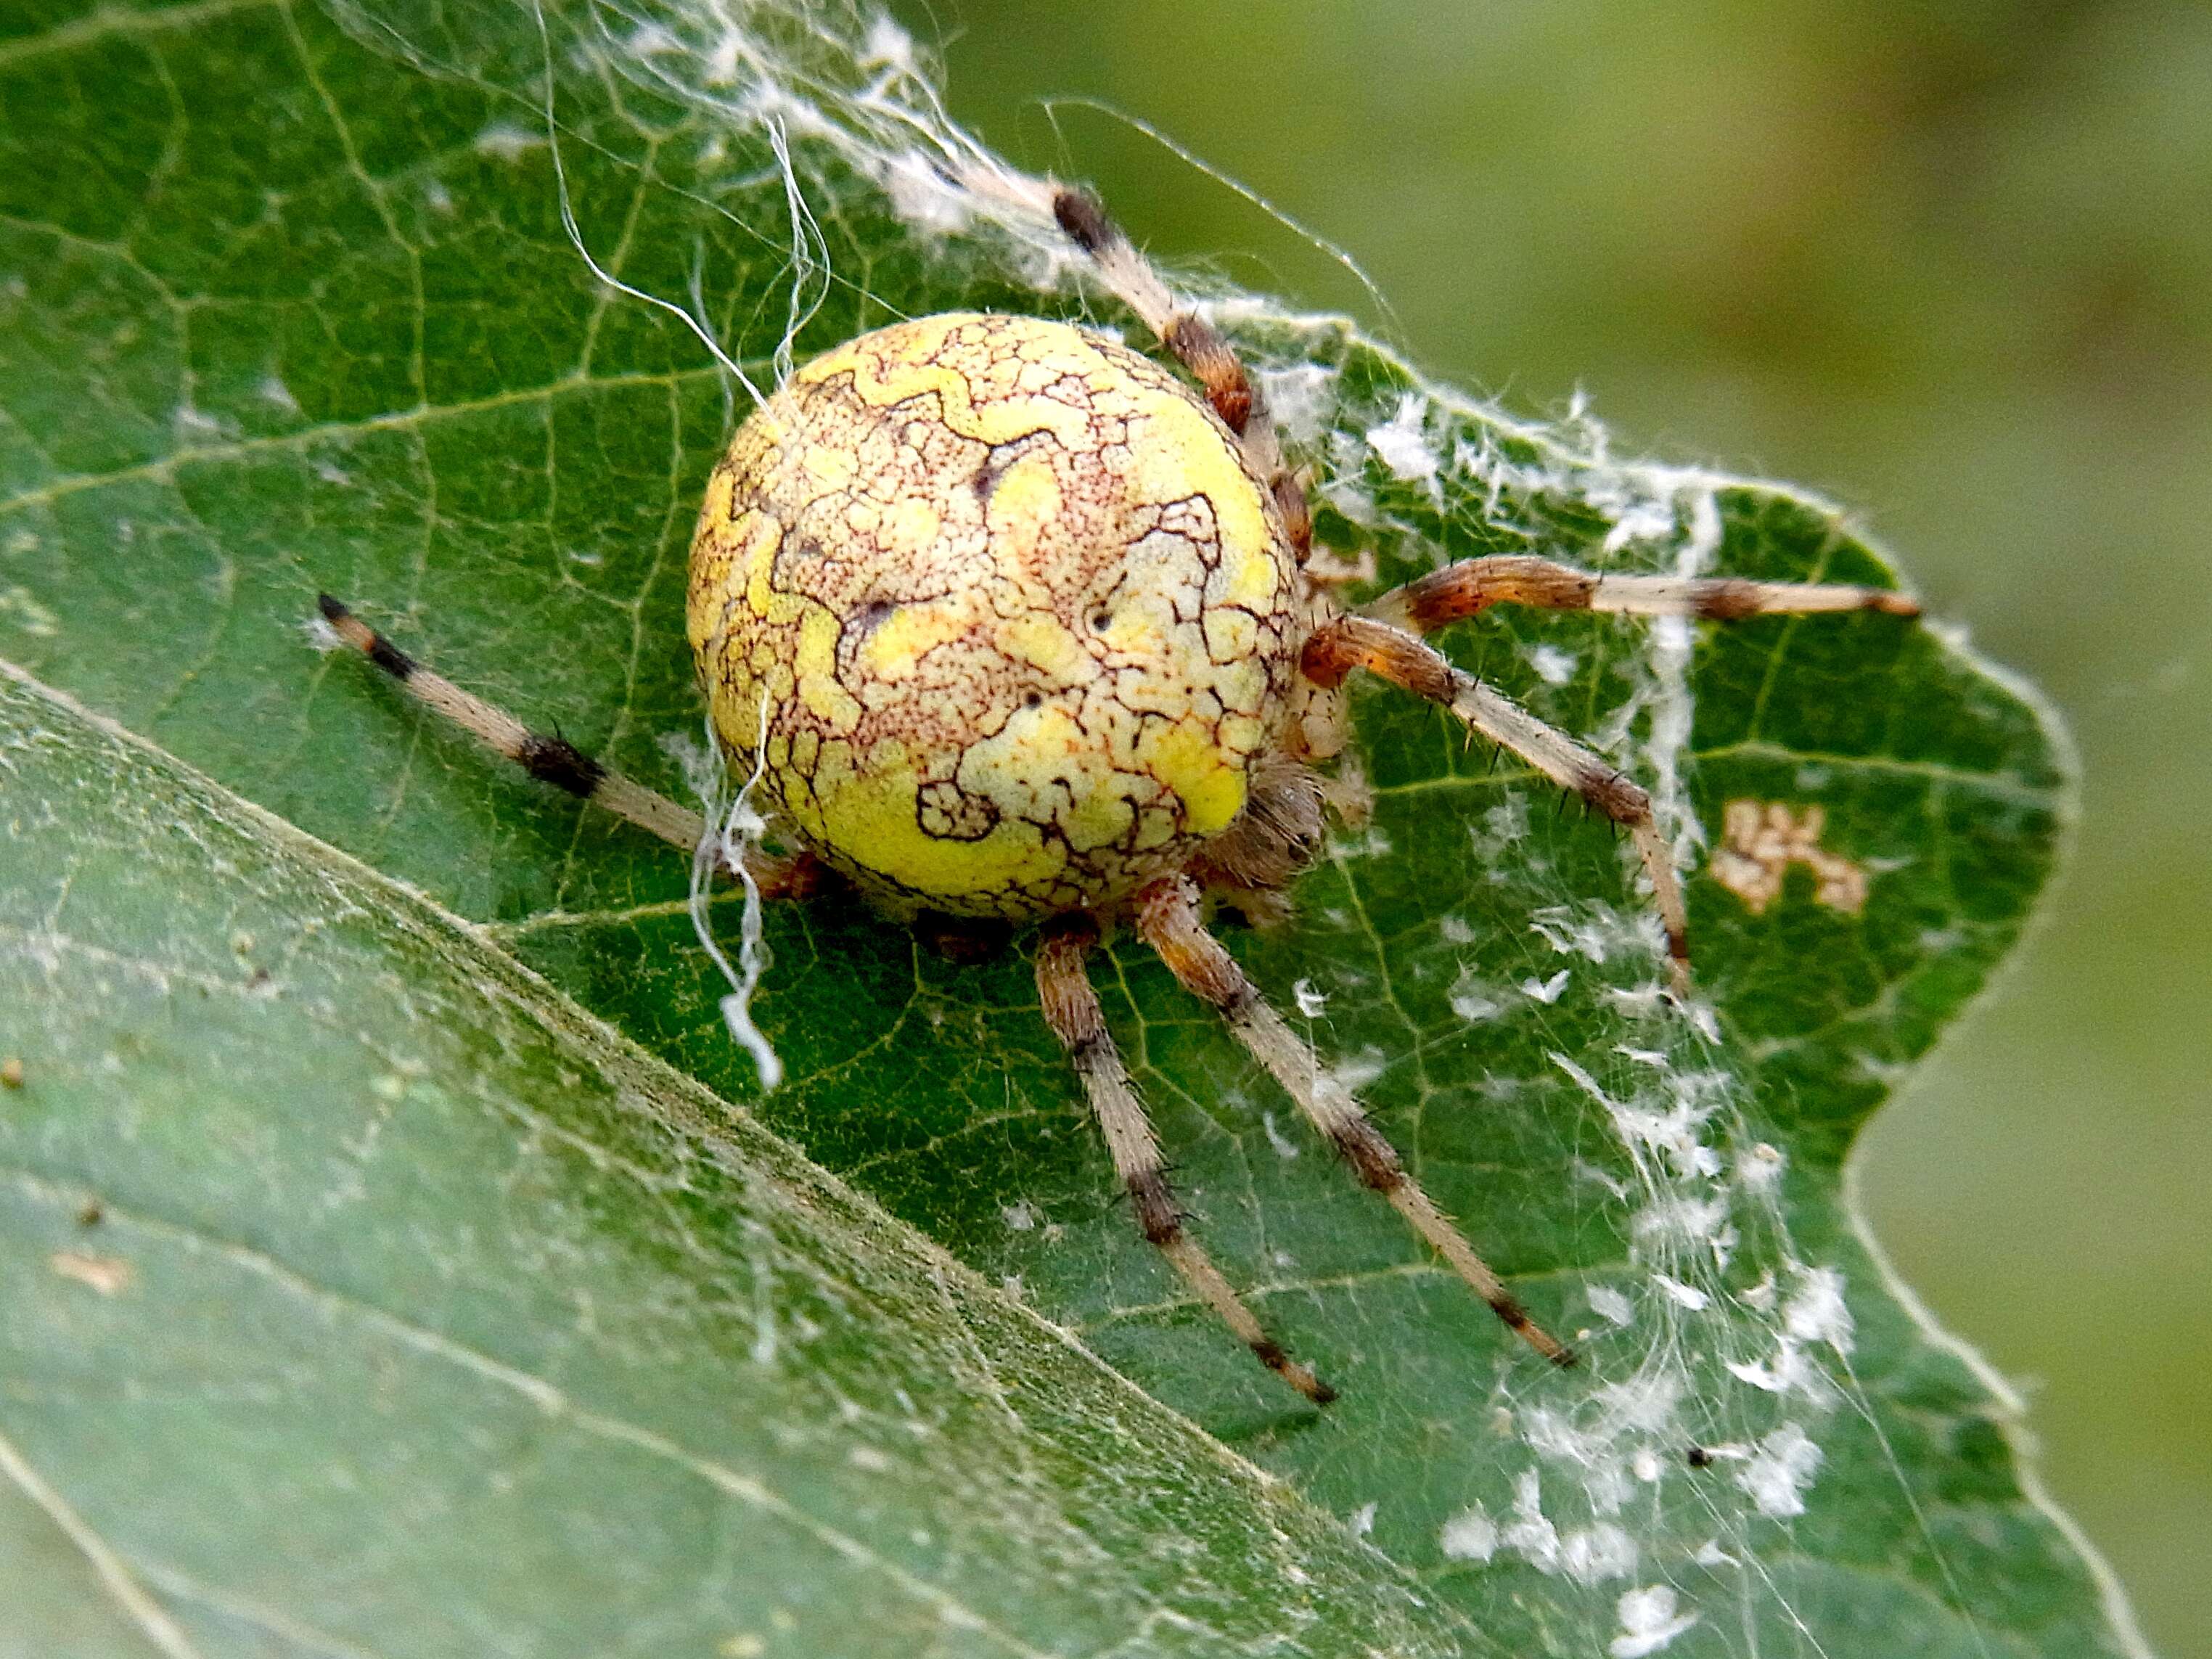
column 1015, row 625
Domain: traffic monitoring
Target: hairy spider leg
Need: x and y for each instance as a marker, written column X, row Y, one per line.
column 554, row 760
column 1350, row 642
column 1472, row 586
column 1459, row 590
column 1072, row 1010
column 1168, row 918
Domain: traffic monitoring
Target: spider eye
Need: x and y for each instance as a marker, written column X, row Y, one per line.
column 1101, row 620
column 1034, row 700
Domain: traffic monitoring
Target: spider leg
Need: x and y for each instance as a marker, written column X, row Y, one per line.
column 552, row 760
column 1071, row 1008
column 1168, row 917
column 1350, row 643
column 1460, row 590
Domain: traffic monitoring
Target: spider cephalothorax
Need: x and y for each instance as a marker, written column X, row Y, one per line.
column 1013, row 622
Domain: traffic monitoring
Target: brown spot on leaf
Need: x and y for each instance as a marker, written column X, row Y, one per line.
column 1761, row 839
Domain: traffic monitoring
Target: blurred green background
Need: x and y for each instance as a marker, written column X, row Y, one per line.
column 1950, row 263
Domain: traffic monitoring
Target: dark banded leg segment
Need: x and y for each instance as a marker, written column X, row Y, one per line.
column 1472, row 586
column 552, row 760
column 1168, row 917
column 1072, row 1010
column 1350, row 643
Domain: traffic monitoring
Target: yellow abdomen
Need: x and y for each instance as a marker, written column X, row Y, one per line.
column 1016, row 619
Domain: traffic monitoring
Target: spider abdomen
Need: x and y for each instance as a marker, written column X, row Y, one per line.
column 1011, row 613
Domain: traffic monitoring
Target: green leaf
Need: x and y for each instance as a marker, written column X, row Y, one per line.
column 462, row 1300
column 421, row 1311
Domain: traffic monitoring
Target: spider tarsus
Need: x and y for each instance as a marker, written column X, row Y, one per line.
column 1516, row 1318
column 1725, row 600
column 364, row 639
column 390, row 659
column 1549, row 1346
column 1270, row 1354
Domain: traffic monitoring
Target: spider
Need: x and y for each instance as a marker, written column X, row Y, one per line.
column 1018, row 626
